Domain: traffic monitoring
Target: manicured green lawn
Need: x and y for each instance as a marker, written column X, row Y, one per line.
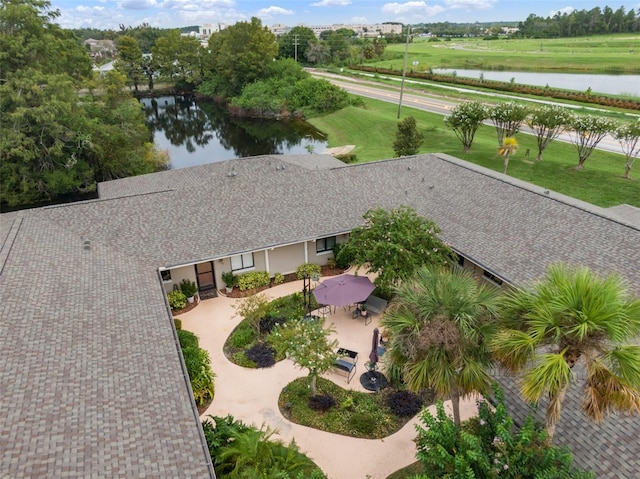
column 602, row 54
column 372, row 130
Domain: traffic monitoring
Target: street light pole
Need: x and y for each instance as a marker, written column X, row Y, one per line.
column 404, row 69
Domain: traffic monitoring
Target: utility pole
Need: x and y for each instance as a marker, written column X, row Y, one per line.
column 404, row 69
column 295, row 43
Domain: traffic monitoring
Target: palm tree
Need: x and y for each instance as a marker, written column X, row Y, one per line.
column 509, row 146
column 573, row 315
column 438, row 325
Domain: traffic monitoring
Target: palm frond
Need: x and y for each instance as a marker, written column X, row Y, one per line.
column 606, row 391
column 512, row 349
column 550, row 374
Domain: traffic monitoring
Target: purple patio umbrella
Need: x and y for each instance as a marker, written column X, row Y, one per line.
column 373, row 356
column 343, row 290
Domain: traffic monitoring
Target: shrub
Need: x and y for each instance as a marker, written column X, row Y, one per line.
column 178, row 323
column 253, row 279
column 262, row 354
column 347, row 158
column 188, row 339
column 188, row 288
column 308, row 270
column 198, row 366
column 363, row 423
column 321, row 402
column 278, row 278
column 404, row 403
column 491, row 445
column 177, row 299
column 344, row 256
column 270, row 321
column 241, row 359
column 242, row 336
column 230, row 279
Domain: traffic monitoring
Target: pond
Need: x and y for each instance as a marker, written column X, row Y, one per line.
column 198, row 132
column 607, row 84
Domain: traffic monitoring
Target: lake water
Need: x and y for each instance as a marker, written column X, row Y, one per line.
column 607, row 84
column 195, row 133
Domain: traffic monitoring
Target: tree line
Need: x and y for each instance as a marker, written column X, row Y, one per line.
column 61, row 130
column 578, row 23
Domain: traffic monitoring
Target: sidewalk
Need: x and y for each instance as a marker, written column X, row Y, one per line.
column 252, row 394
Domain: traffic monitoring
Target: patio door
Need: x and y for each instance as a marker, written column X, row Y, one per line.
column 204, row 276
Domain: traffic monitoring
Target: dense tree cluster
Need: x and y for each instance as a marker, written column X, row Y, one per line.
column 581, row 22
column 53, row 140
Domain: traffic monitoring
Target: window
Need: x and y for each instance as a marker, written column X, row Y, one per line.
column 325, row 244
column 492, row 277
column 166, row 275
column 242, row 261
column 460, row 260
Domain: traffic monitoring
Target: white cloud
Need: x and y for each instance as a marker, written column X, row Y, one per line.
column 331, row 3
column 136, row 4
column 411, row 9
column 470, row 4
column 561, row 11
column 270, row 11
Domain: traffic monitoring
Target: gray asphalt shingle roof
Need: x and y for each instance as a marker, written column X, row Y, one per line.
column 91, row 377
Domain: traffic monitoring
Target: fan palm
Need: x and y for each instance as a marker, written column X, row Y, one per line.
column 573, row 315
column 438, row 325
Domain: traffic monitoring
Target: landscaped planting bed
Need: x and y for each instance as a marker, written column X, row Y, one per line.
column 355, row 413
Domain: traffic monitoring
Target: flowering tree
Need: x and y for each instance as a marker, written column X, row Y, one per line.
column 546, row 123
column 395, row 244
column 465, row 119
column 491, row 447
column 507, row 118
column 588, row 131
column 628, row 135
column 307, row 343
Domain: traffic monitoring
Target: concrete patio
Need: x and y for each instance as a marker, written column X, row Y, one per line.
column 252, row 394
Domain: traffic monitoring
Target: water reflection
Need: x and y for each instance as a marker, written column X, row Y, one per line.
column 195, row 133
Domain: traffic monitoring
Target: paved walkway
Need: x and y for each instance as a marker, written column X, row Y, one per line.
column 252, row 394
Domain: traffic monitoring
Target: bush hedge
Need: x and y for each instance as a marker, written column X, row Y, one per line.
column 177, row 300
column 253, row 279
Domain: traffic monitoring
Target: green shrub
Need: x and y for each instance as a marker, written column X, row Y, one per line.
column 177, row 299
column 230, row 279
column 363, row 423
column 198, row 366
column 308, row 270
column 242, row 336
column 188, row 339
column 188, row 288
column 344, row 256
column 253, row 279
column 241, row 359
column 178, row 323
column 278, row 278
column 347, row 158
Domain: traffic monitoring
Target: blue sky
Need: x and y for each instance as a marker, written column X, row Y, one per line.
column 106, row 14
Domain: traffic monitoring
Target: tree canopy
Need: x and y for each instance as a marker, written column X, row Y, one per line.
column 54, row 141
column 395, row 244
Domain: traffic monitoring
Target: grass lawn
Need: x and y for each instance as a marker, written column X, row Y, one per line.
column 408, row 472
column 373, row 128
column 618, row 53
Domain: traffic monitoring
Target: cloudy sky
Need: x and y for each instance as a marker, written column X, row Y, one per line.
column 106, row 14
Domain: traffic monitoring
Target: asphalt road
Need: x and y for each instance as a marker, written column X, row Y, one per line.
column 424, row 102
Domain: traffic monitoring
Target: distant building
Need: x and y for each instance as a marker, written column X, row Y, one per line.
column 361, row 29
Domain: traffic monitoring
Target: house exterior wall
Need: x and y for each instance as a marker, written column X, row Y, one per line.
column 286, row 259
column 177, row 275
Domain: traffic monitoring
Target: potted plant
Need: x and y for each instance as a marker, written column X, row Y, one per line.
column 189, row 289
column 230, row 280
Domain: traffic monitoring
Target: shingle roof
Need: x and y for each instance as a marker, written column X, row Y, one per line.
column 250, row 204
column 91, row 378
column 91, row 383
